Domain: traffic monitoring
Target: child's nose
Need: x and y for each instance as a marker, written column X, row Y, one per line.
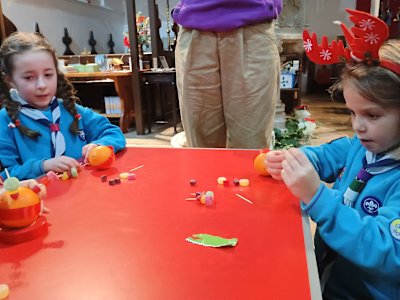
column 358, row 124
column 41, row 82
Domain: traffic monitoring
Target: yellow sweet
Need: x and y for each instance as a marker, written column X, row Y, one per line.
column 221, row 180
column 4, row 291
column 203, row 198
column 244, row 182
column 124, row 175
column 64, row 176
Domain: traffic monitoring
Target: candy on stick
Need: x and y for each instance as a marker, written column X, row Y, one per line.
column 206, row 198
column 11, row 185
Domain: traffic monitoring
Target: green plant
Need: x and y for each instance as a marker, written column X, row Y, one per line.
column 291, row 137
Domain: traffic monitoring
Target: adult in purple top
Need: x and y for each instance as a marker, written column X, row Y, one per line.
column 227, row 67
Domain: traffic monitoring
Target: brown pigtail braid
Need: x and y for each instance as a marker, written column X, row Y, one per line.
column 4, row 89
column 66, row 91
column 13, row 109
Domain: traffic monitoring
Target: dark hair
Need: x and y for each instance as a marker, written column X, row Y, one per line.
column 19, row 43
column 375, row 83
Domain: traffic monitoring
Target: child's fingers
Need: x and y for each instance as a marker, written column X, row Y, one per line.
column 276, row 174
column 68, row 162
column 290, row 163
column 299, row 156
column 30, row 183
column 274, row 156
column 276, row 177
column 294, row 160
column 277, row 165
column 86, row 150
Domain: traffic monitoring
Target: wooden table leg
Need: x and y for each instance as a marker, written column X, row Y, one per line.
column 123, row 87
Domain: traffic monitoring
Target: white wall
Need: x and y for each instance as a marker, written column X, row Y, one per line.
column 79, row 18
column 322, row 13
column 53, row 15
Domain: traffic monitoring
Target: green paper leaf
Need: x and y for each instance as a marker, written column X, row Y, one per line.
column 209, row 240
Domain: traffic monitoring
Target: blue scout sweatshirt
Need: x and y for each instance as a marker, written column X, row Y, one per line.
column 23, row 156
column 357, row 248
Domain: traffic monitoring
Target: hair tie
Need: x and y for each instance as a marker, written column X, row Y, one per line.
column 16, row 123
column 78, row 116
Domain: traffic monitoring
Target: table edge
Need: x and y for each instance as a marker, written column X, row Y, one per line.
column 315, row 287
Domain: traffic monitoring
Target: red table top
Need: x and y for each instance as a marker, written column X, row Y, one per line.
column 128, row 241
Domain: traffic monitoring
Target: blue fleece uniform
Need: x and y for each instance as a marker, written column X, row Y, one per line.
column 357, row 249
column 23, row 156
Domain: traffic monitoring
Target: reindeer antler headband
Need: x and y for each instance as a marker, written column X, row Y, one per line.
column 364, row 40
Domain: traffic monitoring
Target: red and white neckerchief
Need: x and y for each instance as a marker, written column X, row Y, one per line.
column 57, row 138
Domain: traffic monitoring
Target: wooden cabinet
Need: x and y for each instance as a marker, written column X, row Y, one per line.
column 92, row 89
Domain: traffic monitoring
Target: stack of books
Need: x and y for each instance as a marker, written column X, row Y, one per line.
column 112, row 105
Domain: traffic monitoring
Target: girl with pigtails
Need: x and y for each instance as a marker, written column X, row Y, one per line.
column 42, row 128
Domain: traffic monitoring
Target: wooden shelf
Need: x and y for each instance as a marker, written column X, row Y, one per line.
column 123, row 87
column 111, row 115
column 290, row 90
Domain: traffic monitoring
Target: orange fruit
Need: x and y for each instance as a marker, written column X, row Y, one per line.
column 101, row 157
column 259, row 165
column 19, row 212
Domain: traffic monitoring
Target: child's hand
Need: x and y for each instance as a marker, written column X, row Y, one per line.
column 273, row 163
column 60, row 164
column 32, row 183
column 299, row 175
column 85, row 151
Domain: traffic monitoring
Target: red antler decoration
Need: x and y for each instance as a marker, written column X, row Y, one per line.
column 368, row 35
column 324, row 54
column 364, row 40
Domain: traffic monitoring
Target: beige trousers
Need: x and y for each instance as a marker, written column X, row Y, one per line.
column 228, row 85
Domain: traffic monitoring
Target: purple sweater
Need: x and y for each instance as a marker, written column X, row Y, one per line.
column 224, row 15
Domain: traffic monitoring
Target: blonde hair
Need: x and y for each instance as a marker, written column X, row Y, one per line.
column 19, row 43
column 372, row 81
